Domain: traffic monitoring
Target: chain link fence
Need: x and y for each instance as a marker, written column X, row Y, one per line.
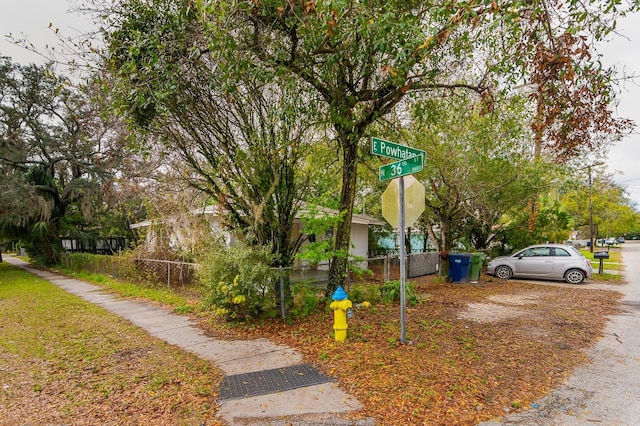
column 314, row 278
column 154, row 271
column 177, row 274
column 171, row 272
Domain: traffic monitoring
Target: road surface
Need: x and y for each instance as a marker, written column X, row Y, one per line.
column 607, row 390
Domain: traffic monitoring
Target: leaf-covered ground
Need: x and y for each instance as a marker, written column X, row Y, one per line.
column 473, row 352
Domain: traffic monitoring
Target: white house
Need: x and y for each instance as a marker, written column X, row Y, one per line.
column 184, row 232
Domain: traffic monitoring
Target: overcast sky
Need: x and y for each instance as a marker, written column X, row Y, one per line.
column 32, row 18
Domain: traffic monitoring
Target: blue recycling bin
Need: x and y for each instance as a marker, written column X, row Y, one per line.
column 458, row 267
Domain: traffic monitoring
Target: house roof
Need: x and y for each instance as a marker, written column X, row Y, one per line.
column 358, row 219
column 367, row 220
column 208, row 210
column 143, row 224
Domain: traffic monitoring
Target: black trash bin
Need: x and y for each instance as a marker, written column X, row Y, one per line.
column 458, row 267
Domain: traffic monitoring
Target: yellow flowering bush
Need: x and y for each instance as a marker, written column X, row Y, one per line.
column 239, row 282
column 230, row 300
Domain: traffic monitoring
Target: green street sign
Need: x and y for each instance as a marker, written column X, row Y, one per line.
column 394, row 150
column 401, row 168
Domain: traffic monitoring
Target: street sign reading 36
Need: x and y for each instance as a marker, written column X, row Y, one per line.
column 401, row 168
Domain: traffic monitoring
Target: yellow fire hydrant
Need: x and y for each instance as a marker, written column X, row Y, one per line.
column 342, row 307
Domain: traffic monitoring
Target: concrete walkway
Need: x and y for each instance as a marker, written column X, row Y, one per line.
column 317, row 404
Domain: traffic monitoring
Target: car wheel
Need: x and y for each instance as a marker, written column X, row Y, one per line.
column 503, row 272
column 574, row 276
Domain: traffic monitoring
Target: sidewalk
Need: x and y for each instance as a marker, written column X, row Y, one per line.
column 265, row 383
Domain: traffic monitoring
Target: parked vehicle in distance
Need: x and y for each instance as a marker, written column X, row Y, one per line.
column 620, row 240
column 611, row 241
column 543, row 261
column 578, row 243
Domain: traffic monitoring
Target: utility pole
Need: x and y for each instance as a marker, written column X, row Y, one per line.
column 591, row 206
column 590, row 213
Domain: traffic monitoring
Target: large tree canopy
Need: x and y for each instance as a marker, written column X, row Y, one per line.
column 357, row 60
column 362, row 58
column 479, row 167
column 55, row 153
column 613, row 213
column 243, row 145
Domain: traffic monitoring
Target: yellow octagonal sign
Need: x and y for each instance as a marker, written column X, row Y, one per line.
column 413, row 201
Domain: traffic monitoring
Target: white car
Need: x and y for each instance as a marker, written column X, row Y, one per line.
column 545, row 261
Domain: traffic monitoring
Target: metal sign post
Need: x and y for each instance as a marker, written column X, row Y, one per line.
column 410, row 160
column 403, row 255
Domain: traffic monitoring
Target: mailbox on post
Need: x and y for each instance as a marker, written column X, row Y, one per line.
column 601, row 255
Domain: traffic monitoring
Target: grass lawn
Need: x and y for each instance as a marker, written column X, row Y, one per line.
column 66, row 361
column 614, row 263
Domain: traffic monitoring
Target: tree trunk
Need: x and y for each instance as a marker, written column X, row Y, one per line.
column 425, row 240
column 342, row 241
column 432, row 235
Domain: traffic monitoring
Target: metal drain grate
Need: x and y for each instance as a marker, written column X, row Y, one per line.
column 632, row 304
column 270, row 381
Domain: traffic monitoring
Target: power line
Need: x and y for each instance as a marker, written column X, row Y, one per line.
column 629, row 180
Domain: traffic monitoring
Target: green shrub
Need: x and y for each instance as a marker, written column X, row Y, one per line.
column 306, row 299
column 390, row 292
column 360, row 293
column 238, row 281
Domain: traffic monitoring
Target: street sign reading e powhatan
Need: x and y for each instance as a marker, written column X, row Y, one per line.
column 396, row 151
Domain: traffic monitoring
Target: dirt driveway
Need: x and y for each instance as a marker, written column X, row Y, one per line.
column 606, row 390
column 501, row 307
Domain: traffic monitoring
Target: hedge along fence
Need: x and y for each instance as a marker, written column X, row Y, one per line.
column 116, row 266
column 176, row 273
column 148, row 271
column 239, row 290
